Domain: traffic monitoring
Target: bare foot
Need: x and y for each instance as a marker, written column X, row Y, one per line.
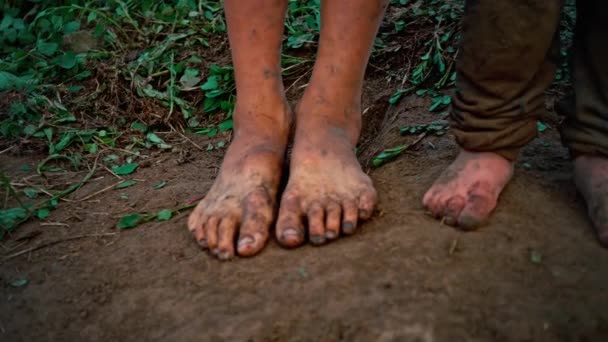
column 467, row 191
column 591, row 178
column 327, row 192
column 241, row 202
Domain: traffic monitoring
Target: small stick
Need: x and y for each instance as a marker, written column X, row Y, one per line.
column 453, row 246
column 188, row 139
column 98, row 192
column 54, row 224
column 6, row 150
column 296, row 81
column 112, row 172
column 54, row 242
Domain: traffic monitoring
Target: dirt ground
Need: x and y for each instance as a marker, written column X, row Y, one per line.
column 536, row 273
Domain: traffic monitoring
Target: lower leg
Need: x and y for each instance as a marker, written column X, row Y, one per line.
column 241, row 203
column 495, row 104
column 327, row 189
column 585, row 130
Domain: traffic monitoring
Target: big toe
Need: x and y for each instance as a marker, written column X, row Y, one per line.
column 476, row 212
column 367, row 203
column 256, row 220
column 290, row 228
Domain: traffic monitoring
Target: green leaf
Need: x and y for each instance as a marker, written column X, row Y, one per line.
column 9, row 218
column 226, row 125
column 164, row 215
column 125, row 169
column 210, row 84
column 153, row 138
column 67, row 60
column 91, row 148
column 43, row 213
column 214, row 93
column 126, row 184
column 388, row 155
column 536, row 257
column 72, row 26
column 190, row 78
column 30, row 193
column 138, row 126
column 541, row 126
column 159, row 185
column 92, row 16
column 129, row 221
column 209, row 105
column 396, row 96
column 47, row 48
column 19, row 283
column 65, row 140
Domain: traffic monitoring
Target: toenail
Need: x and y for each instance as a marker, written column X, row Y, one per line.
column 348, row 227
column 330, row 234
column 468, row 223
column 317, row 239
column 290, row 232
column 203, row 243
column 449, row 220
column 224, row 255
column 245, row 241
column 215, row 251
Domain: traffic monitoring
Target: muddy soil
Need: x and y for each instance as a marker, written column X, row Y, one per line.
column 536, row 273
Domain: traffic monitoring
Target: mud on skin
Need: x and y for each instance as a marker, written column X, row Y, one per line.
column 467, row 192
column 591, row 178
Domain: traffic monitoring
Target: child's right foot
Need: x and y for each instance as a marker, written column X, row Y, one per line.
column 241, row 204
column 467, row 191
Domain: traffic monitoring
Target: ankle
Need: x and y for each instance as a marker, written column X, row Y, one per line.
column 263, row 114
column 318, row 113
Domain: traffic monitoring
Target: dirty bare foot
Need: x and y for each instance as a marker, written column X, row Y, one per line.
column 327, row 192
column 591, row 178
column 467, row 192
column 240, row 205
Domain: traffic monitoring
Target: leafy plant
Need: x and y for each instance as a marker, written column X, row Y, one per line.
column 437, row 127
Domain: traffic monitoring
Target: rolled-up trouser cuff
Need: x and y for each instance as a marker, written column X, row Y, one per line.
column 507, row 142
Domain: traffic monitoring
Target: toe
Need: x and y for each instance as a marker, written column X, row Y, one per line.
column 332, row 220
column 316, row 224
column 453, row 209
column 196, row 222
column 211, row 233
column 256, row 221
column 367, row 203
column 476, row 211
column 226, row 234
column 290, row 230
column 603, row 236
column 351, row 214
column 432, row 202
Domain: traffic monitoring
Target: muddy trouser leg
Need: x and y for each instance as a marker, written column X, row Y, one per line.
column 506, row 62
column 585, row 130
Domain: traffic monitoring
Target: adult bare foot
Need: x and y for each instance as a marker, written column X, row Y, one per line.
column 242, row 200
column 591, row 178
column 327, row 191
column 467, row 191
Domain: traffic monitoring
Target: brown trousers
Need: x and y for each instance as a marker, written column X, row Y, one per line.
column 508, row 59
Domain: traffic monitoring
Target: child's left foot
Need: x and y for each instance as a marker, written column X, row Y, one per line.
column 327, row 192
column 591, row 178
